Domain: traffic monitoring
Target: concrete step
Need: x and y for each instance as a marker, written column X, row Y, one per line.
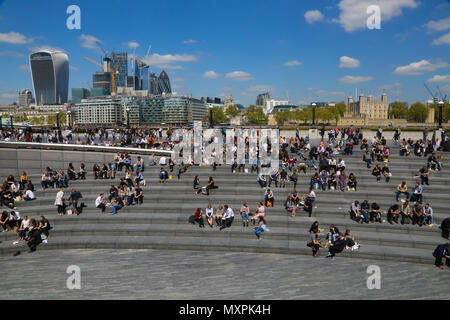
column 392, row 253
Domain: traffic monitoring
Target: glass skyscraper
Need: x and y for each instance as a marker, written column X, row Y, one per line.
column 50, row 76
column 121, row 59
column 141, row 72
column 164, row 83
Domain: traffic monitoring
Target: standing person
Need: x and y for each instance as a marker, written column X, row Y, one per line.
column 75, row 196
column 100, row 203
column 228, row 217
column 442, row 251
column 59, row 202
column 314, row 241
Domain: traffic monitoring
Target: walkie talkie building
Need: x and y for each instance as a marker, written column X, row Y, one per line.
column 50, row 76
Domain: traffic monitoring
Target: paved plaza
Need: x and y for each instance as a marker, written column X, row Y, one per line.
column 155, row 274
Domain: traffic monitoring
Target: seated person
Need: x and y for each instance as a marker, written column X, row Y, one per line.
column 427, row 214
column 393, row 214
column 332, row 182
column 355, row 211
column 401, row 189
column 315, row 181
column 163, row 175
column 365, row 211
column 352, row 183
column 323, row 181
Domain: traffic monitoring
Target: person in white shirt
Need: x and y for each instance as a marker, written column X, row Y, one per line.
column 59, row 202
column 99, row 203
column 162, row 161
column 209, row 215
column 228, row 217
column 29, row 195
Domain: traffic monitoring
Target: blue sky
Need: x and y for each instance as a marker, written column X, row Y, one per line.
column 317, row 50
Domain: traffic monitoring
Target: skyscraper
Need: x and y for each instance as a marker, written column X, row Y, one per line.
column 164, row 83
column 50, row 76
column 102, row 80
column 121, row 60
column 153, row 84
column 141, row 72
column 25, row 98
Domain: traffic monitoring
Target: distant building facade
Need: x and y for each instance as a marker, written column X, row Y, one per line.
column 50, row 76
column 168, row 109
column 25, row 98
column 102, row 80
column 228, row 100
column 120, row 59
column 79, row 94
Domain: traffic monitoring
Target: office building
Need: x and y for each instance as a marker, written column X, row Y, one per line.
column 25, row 98
column 103, row 80
column 79, row 94
column 168, row 109
column 164, row 83
column 261, row 99
column 228, row 100
column 153, row 85
column 271, row 104
column 141, row 73
column 50, row 76
column 120, row 59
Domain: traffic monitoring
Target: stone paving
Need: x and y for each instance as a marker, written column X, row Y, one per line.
column 156, row 274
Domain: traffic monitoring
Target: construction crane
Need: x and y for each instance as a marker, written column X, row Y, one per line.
column 107, row 68
column 444, row 98
column 434, row 96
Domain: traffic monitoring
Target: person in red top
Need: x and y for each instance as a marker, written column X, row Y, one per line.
column 198, row 217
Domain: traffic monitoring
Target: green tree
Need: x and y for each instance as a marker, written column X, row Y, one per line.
column 232, row 111
column 255, row 115
column 341, row 108
column 418, row 112
column 283, row 116
column 398, row 110
column 218, row 115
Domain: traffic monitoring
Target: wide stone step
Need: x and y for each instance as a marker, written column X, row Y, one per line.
column 376, row 252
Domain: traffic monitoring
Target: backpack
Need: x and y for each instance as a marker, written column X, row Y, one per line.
column 191, row 220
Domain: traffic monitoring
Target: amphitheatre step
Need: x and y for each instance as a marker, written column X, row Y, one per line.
column 237, row 231
column 375, row 252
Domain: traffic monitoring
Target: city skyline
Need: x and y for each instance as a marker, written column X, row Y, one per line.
column 308, row 51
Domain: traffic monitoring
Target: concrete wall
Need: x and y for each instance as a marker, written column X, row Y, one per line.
column 14, row 161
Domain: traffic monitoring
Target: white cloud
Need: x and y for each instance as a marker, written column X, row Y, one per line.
column 211, row 75
column 133, row 44
column 178, row 80
column 293, row 63
column 347, row 62
column 354, row 79
column 24, row 67
column 416, row 68
column 73, row 68
column 439, row 25
column 239, row 76
column 312, row 16
column 90, row 42
column 445, row 39
column 189, row 41
column 391, row 86
column 438, row 78
column 14, row 38
column 326, row 94
column 166, row 61
column 353, row 13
